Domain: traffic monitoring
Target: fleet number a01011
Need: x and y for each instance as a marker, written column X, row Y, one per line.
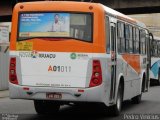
column 59, row 68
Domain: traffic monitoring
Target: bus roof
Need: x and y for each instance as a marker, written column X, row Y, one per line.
column 84, row 6
column 122, row 16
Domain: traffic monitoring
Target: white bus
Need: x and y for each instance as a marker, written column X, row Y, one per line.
column 155, row 60
column 93, row 54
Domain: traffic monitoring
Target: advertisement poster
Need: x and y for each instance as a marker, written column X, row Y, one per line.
column 44, row 25
column 4, row 34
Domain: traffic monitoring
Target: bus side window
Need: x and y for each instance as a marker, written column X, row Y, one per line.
column 130, row 40
column 142, row 42
column 119, row 37
column 127, row 37
column 145, row 44
column 137, row 41
column 120, row 40
column 154, row 48
column 158, row 49
column 134, row 39
column 112, row 38
column 107, row 31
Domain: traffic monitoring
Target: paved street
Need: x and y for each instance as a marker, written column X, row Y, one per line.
column 150, row 104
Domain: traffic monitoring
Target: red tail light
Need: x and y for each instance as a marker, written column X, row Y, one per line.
column 12, row 71
column 96, row 78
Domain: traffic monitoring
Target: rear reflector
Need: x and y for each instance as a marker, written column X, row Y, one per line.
column 25, row 88
column 80, row 90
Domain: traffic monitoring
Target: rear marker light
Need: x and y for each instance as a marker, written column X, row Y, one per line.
column 21, row 7
column 12, row 65
column 96, row 74
column 26, row 88
column 96, row 78
column 80, row 90
column 12, row 71
column 95, row 81
column 90, row 7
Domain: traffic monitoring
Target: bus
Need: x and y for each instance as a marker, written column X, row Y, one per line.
column 77, row 52
column 155, row 60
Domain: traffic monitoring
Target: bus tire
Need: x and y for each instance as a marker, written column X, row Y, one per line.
column 46, row 107
column 116, row 109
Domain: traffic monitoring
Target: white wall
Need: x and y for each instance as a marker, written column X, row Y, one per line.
column 4, row 65
column 6, row 24
column 4, row 62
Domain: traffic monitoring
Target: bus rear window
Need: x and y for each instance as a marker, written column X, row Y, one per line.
column 55, row 25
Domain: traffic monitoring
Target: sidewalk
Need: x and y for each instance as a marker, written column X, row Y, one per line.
column 4, row 93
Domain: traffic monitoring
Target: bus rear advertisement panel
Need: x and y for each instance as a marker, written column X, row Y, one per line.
column 70, row 25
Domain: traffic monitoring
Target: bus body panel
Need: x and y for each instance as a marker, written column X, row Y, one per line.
column 49, row 69
column 62, row 7
column 65, row 66
column 155, row 65
column 131, row 76
column 90, row 94
column 155, row 59
column 95, row 94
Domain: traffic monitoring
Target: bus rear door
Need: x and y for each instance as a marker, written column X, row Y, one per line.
column 113, row 60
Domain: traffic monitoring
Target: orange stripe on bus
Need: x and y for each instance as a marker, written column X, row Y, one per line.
column 133, row 61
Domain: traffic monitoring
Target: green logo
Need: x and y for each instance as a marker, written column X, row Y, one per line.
column 73, row 56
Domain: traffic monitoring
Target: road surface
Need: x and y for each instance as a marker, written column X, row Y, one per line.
column 24, row 109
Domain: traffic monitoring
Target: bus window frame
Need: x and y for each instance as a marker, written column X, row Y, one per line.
column 121, row 39
column 107, row 29
column 127, row 37
column 131, row 39
column 142, row 43
column 155, row 48
column 158, row 48
column 72, row 12
column 137, row 40
column 134, row 39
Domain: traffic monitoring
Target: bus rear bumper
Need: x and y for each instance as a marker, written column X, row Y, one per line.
column 94, row 94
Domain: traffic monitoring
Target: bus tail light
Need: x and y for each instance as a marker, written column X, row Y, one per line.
column 12, row 71
column 96, row 78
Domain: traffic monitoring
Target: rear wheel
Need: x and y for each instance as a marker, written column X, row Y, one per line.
column 116, row 109
column 46, row 107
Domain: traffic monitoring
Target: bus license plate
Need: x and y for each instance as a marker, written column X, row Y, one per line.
column 54, row 95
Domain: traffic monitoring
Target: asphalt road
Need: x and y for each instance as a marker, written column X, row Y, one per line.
column 24, row 109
